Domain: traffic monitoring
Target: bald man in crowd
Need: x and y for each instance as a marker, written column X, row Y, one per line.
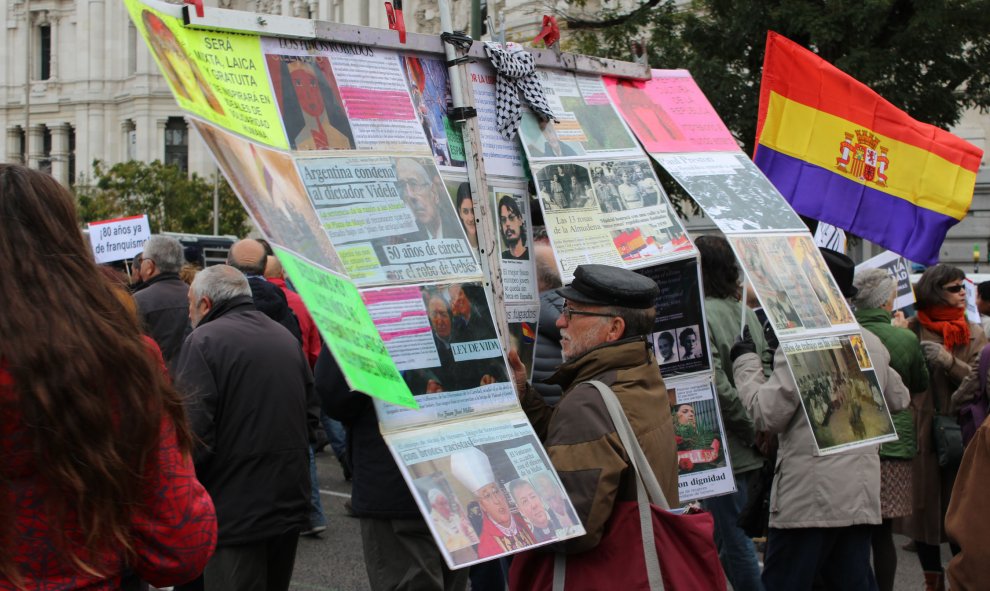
column 249, row 257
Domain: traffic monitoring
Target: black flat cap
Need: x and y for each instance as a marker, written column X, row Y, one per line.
column 601, row 285
column 843, row 268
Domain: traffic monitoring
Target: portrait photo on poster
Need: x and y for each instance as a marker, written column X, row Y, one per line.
column 542, row 140
column 310, row 103
column 465, row 340
column 700, row 444
column 182, row 72
column 513, row 227
column 459, row 190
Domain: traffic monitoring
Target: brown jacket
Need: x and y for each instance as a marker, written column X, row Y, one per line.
column 581, row 440
column 968, row 520
column 930, row 484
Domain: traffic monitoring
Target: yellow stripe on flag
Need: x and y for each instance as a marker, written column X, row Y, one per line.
column 913, row 174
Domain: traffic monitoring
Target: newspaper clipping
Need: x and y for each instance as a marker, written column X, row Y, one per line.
column 443, row 340
column 703, row 466
column 588, row 125
column 793, row 284
column 390, row 218
column 611, row 212
column 732, row 191
column 680, row 334
column 338, row 96
column 485, row 487
column 839, row 392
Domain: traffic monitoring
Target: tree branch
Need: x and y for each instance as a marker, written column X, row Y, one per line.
column 578, row 23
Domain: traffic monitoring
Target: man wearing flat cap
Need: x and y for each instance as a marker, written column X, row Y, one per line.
column 607, row 316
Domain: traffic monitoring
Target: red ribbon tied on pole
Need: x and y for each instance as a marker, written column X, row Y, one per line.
column 550, row 33
column 395, row 20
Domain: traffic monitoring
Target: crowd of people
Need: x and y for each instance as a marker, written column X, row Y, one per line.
column 161, row 429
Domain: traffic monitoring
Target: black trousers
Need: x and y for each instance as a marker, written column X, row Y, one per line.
column 260, row 566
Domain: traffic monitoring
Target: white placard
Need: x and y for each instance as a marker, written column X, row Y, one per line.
column 118, row 239
column 898, row 268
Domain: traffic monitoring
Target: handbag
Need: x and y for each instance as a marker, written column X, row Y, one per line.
column 645, row 546
column 948, row 440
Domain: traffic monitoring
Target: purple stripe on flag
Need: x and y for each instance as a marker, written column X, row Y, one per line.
column 911, row 231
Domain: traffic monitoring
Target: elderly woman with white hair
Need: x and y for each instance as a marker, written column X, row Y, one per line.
column 874, row 302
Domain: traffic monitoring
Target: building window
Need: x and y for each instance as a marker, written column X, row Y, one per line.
column 72, row 156
column 45, row 163
column 45, row 57
column 131, row 48
column 177, row 143
column 130, row 140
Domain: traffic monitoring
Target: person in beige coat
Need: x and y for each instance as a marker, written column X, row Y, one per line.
column 821, row 507
column 952, row 347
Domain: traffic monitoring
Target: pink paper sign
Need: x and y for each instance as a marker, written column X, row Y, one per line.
column 669, row 113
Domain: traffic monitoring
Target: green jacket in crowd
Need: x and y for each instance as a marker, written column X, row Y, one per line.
column 908, row 361
column 723, row 328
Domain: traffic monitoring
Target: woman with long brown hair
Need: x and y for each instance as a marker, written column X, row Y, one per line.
column 95, row 474
column 951, row 346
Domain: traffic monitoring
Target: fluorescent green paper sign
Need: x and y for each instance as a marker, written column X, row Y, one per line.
column 339, row 313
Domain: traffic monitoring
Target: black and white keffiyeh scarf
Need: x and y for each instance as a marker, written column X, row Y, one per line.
column 516, row 70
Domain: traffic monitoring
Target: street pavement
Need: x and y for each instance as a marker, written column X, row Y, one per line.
column 333, row 561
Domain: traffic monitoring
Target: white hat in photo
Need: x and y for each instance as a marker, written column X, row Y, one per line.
column 471, row 467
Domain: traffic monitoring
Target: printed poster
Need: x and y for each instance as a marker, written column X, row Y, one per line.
column 732, row 191
column 680, row 333
column 793, row 283
column 611, row 212
column 389, row 218
column 703, row 465
column 340, row 96
column 219, row 77
column 485, row 487
column 587, row 125
column 669, row 113
column 443, row 341
column 267, row 183
column 839, row 392
column 429, row 88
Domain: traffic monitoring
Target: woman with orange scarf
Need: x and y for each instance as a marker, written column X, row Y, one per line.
column 951, row 346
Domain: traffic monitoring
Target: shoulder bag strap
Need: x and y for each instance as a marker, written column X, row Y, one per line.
column 647, row 487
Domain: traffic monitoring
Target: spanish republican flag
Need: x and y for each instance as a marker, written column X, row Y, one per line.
column 842, row 154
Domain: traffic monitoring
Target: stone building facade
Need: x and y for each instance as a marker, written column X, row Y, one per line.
column 77, row 84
